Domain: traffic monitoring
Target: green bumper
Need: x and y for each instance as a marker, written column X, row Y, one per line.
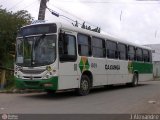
column 37, row 84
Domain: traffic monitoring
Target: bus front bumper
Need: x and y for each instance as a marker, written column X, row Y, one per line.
column 50, row 84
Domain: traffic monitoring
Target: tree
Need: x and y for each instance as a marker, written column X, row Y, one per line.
column 10, row 23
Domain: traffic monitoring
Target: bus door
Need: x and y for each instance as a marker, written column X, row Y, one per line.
column 67, row 60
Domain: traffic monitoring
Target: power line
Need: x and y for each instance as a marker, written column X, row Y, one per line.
column 97, row 29
column 29, row 5
column 16, row 4
column 3, row 2
column 57, row 15
column 111, row 2
column 67, row 12
column 73, row 16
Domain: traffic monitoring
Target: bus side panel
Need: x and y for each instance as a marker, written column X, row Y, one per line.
column 145, row 77
column 117, row 72
column 98, row 71
column 67, row 82
column 68, row 77
column 145, row 70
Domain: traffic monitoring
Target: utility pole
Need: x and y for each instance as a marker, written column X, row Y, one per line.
column 42, row 9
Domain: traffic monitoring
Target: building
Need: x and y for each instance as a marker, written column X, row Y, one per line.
column 155, row 59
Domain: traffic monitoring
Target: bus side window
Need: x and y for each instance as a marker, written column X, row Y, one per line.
column 67, row 48
column 111, row 48
column 84, row 45
column 145, row 55
column 98, row 47
column 139, row 55
column 150, row 56
column 131, row 53
column 122, row 50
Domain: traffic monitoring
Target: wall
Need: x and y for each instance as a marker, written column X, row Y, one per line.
column 156, row 68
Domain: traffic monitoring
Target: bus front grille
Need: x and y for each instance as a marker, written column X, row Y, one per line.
column 33, row 83
column 32, row 71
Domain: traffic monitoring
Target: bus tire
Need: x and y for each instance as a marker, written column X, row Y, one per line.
column 134, row 81
column 85, row 86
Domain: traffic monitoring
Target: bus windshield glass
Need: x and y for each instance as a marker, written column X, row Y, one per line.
column 36, row 50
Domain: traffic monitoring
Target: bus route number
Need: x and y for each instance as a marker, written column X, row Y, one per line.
column 93, row 65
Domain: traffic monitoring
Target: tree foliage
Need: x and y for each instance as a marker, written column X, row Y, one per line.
column 10, row 23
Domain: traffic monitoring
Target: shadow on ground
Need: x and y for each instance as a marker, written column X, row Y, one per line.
column 71, row 93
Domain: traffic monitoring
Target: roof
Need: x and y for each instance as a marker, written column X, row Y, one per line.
column 103, row 36
column 100, row 35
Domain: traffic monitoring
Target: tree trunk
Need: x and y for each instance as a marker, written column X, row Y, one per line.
column 3, row 79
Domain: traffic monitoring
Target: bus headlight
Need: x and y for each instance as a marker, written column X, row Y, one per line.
column 48, row 68
column 48, row 75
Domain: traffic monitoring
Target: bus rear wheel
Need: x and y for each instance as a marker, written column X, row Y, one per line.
column 134, row 81
column 85, row 86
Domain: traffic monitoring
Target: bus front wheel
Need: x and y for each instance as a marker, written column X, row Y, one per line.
column 85, row 86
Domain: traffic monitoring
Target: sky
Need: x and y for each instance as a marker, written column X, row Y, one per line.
column 131, row 20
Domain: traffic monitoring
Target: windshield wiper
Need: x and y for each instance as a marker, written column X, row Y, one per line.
column 38, row 40
column 35, row 45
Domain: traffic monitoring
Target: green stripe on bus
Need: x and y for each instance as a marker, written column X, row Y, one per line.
column 37, row 84
column 140, row 67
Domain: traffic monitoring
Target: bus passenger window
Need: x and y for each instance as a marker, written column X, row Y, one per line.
column 150, row 56
column 111, row 48
column 98, row 47
column 69, row 48
column 84, row 45
column 145, row 55
column 122, row 49
column 139, row 55
column 131, row 53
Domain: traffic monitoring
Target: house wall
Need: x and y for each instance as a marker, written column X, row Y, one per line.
column 156, row 68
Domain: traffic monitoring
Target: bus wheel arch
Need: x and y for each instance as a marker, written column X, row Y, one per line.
column 135, row 79
column 90, row 76
column 85, row 83
column 136, row 72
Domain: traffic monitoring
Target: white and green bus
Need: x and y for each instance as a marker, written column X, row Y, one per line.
column 55, row 56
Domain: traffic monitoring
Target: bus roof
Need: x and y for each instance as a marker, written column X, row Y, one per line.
column 92, row 33
column 99, row 35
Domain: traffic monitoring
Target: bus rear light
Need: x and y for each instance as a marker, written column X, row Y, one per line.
column 48, row 85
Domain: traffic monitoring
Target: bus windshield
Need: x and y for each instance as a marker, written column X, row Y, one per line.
column 36, row 50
